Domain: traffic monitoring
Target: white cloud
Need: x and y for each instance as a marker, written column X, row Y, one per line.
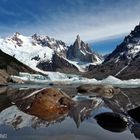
column 91, row 25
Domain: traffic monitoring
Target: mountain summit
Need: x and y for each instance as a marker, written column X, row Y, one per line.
column 48, row 54
column 80, row 51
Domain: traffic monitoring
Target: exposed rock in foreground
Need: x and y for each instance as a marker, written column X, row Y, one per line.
column 48, row 104
column 85, row 108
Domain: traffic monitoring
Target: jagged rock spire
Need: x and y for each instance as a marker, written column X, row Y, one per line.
column 81, row 51
column 78, row 38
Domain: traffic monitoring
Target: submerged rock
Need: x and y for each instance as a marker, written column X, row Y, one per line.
column 50, row 104
column 103, row 90
column 112, row 121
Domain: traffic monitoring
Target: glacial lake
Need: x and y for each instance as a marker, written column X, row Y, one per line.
column 16, row 124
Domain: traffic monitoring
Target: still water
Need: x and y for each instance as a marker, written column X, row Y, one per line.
column 16, row 124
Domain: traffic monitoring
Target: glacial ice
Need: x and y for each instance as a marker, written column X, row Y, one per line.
column 76, row 79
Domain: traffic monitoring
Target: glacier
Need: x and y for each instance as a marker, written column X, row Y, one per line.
column 57, row 77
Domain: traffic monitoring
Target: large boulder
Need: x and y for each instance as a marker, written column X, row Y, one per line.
column 50, row 104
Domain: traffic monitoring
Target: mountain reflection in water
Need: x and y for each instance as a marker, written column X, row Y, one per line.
column 59, row 125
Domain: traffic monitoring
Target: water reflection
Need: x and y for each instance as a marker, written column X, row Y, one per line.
column 113, row 122
column 20, row 110
column 135, row 113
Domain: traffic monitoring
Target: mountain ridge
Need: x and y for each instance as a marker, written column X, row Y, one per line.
column 11, row 66
column 38, row 51
column 43, row 53
column 123, row 62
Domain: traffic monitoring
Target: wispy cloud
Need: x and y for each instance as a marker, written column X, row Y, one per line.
column 7, row 12
column 92, row 19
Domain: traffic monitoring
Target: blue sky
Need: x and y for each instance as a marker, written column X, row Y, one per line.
column 107, row 45
column 94, row 20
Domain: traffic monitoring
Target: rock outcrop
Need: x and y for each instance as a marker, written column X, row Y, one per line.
column 81, row 51
column 48, row 104
column 58, row 63
column 58, row 46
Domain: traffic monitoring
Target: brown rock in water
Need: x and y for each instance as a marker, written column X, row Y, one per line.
column 104, row 90
column 50, row 104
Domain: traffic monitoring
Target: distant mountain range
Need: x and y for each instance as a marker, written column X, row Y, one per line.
column 42, row 53
column 47, row 54
column 123, row 62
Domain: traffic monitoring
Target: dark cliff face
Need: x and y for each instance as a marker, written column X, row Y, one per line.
column 62, row 53
column 123, row 62
column 11, row 66
column 127, row 49
column 81, row 51
column 58, row 63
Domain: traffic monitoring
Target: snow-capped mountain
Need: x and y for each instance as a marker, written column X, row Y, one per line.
column 45, row 41
column 129, row 48
column 45, row 53
column 80, row 51
column 124, row 61
column 25, row 50
column 11, row 66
